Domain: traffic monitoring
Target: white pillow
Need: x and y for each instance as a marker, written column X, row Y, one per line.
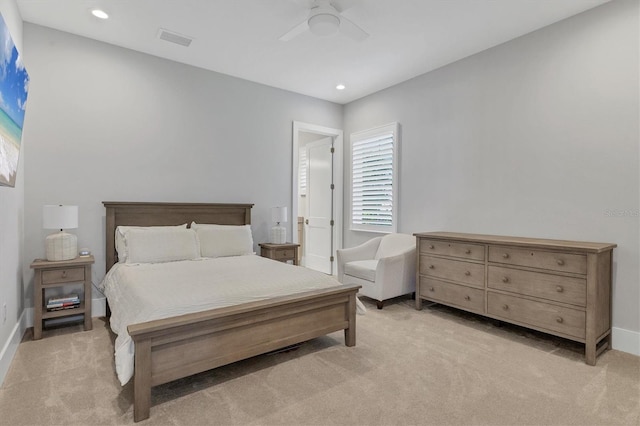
column 224, row 240
column 161, row 245
column 121, row 237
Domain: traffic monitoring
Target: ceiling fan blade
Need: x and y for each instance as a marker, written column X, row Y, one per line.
column 342, row 5
column 351, row 30
column 295, row 31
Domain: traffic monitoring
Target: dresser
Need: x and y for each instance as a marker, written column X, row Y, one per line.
column 557, row 287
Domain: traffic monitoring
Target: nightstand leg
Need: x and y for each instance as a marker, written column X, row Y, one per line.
column 88, row 325
column 37, row 306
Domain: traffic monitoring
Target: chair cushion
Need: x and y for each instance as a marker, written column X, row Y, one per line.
column 365, row 269
column 394, row 244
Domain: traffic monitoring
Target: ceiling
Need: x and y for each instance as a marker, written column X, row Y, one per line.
column 240, row 37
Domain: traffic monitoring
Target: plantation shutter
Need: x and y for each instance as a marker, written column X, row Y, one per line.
column 373, row 182
column 302, row 168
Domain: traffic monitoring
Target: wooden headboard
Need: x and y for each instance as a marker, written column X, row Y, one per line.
column 162, row 214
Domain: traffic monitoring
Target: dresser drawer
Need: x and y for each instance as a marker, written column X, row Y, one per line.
column 284, row 254
column 537, row 314
column 468, row 298
column 547, row 286
column 555, row 261
column 454, row 249
column 454, row 270
column 66, row 275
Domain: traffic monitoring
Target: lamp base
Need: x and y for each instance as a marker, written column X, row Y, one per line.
column 278, row 235
column 61, row 246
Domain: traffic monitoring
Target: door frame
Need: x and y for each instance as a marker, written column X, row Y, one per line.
column 338, row 191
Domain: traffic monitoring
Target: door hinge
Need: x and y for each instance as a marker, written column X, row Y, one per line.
column 333, row 187
column 331, row 258
column 332, row 222
column 333, row 150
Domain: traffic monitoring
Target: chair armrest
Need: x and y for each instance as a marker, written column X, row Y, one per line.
column 364, row 251
column 398, row 270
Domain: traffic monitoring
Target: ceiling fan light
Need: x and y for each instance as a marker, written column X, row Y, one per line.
column 98, row 13
column 323, row 24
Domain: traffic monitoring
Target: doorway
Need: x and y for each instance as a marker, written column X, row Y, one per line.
column 319, row 203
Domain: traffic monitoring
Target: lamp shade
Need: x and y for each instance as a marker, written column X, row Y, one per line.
column 278, row 214
column 59, row 217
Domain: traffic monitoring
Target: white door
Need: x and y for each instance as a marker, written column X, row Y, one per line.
column 318, row 244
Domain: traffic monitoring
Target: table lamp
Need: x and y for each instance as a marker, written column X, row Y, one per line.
column 60, row 245
column 278, row 233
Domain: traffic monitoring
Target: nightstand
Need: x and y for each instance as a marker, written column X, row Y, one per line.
column 281, row 252
column 57, row 274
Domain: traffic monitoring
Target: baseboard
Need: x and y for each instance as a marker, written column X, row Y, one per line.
column 10, row 348
column 99, row 307
column 625, row 340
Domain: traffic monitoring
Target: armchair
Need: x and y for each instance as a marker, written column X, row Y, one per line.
column 385, row 267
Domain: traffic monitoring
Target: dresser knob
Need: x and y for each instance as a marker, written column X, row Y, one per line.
column 467, row 273
column 64, row 274
column 559, row 289
column 467, row 298
column 505, row 307
column 432, row 267
column 467, row 251
column 505, row 279
column 431, row 246
column 432, row 289
column 560, row 262
column 559, row 320
column 506, row 255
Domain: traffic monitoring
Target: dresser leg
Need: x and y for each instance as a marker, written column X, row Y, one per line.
column 590, row 353
column 418, row 303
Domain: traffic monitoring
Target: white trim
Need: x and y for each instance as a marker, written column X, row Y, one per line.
column 11, row 346
column 338, row 180
column 625, row 340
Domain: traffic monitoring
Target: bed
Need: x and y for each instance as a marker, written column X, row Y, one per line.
column 170, row 348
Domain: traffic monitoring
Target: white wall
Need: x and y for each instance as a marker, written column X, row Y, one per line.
column 110, row 124
column 11, row 231
column 536, row 137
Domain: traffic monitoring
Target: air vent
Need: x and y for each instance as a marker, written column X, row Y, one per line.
column 174, row 37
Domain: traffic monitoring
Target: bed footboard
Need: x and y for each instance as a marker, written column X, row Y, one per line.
column 181, row 346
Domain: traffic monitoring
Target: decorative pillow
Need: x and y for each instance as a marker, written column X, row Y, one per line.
column 121, row 239
column 161, row 245
column 224, row 240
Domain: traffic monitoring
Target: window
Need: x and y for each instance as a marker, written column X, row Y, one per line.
column 374, row 182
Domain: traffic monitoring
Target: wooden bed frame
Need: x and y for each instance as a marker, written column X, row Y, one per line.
column 172, row 348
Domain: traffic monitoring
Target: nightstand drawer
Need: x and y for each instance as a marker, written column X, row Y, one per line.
column 284, row 254
column 63, row 275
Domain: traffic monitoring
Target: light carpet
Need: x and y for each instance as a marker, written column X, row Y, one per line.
column 438, row 366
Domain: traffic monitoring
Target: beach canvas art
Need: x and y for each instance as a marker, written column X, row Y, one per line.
column 14, row 87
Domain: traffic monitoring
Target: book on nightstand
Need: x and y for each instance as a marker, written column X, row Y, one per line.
column 64, row 302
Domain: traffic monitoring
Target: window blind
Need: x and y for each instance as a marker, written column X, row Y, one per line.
column 302, row 168
column 372, row 177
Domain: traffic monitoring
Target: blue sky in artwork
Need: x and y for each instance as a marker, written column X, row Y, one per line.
column 14, row 80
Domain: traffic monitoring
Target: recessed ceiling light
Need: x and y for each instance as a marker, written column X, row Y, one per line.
column 340, row 86
column 99, row 14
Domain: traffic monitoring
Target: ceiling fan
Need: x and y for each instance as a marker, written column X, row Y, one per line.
column 325, row 19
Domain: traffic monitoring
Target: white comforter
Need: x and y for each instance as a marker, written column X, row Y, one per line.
column 144, row 292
